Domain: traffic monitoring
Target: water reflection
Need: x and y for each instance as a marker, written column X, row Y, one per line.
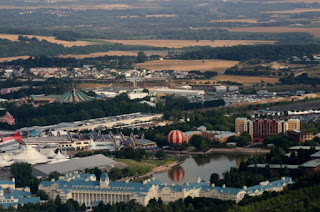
column 201, row 166
column 176, row 174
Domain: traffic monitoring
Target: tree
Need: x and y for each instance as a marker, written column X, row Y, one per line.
column 200, row 143
column 83, row 207
column 142, row 57
column 214, row 178
column 115, row 173
column 42, row 194
column 161, row 155
column 22, row 173
column 57, row 201
column 54, row 175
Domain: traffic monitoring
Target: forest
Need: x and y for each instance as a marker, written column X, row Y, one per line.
column 34, row 47
column 245, row 53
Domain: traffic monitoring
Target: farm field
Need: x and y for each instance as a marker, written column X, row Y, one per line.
column 187, row 43
column 245, row 79
column 290, row 1
column 75, row 7
column 313, row 31
column 250, row 21
column 161, row 16
column 51, row 39
column 300, row 10
column 8, row 59
column 114, row 53
column 188, row 65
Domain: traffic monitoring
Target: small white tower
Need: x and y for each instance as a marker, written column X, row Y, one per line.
column 104, row 180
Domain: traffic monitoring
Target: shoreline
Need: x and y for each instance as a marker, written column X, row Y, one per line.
column 238, row 150
column 157, row 169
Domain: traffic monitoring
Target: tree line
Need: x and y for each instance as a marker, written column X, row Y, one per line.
column 34, row 47
column 244, row 53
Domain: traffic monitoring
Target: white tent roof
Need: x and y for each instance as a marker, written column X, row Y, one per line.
column 92, row 145
column 30, row 155
column 60, row 156
column 51, row 154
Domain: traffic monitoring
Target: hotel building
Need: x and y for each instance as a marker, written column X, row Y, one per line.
column 84, row 188
column 261, row 128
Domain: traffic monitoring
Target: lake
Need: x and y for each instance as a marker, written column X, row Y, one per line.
column 201, row 166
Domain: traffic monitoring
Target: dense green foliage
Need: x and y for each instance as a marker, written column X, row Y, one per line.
column 120, row 62
column 130, row 153
column 279, row 140
column 22, row 173
column 300, row 79
column 28, row 115
column 244, row 53
column 246, row 73
column 303, row 199
column 241, row 140
column 34, row 47
column 47, row 87
column 200, row 143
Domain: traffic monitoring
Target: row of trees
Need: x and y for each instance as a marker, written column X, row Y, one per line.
column 244, row 53
column 34, row 47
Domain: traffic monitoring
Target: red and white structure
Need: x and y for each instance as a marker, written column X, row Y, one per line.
column 176, row 174
column 175, row 137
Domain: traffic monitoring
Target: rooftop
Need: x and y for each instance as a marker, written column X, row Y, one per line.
column 311, row 163
column 315, row 155
column 74, row 164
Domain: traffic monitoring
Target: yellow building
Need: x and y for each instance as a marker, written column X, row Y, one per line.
column 293, row 124
column 241, row 125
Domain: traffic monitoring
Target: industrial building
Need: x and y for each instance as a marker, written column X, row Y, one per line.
column 178, row 92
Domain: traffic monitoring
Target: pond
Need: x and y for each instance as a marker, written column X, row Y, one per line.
column 201, row 166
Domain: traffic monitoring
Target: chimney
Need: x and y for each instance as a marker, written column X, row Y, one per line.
column 244, row 187
column 213, row 185
column 52, row 180
column 224, row 185
column 13, row 180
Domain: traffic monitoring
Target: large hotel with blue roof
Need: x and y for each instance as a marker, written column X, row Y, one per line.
column 85, row 188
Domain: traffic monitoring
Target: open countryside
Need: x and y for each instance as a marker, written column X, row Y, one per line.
column 114, row 53
column 74, row 7
column 245, row 79
column 51, row 39
column 313, row 31
column 303, row 10
column 188, row 65
column 8, row 59
column 187, row 43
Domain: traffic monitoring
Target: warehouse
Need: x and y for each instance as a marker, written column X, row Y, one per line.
column 75, row 164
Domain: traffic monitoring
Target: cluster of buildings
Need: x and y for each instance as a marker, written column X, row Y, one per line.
column 310, row 167
column 12, row 196
column 47, row 138
column 221, row 136
column 85, row 188
column 11, row 72
column 261, row 128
